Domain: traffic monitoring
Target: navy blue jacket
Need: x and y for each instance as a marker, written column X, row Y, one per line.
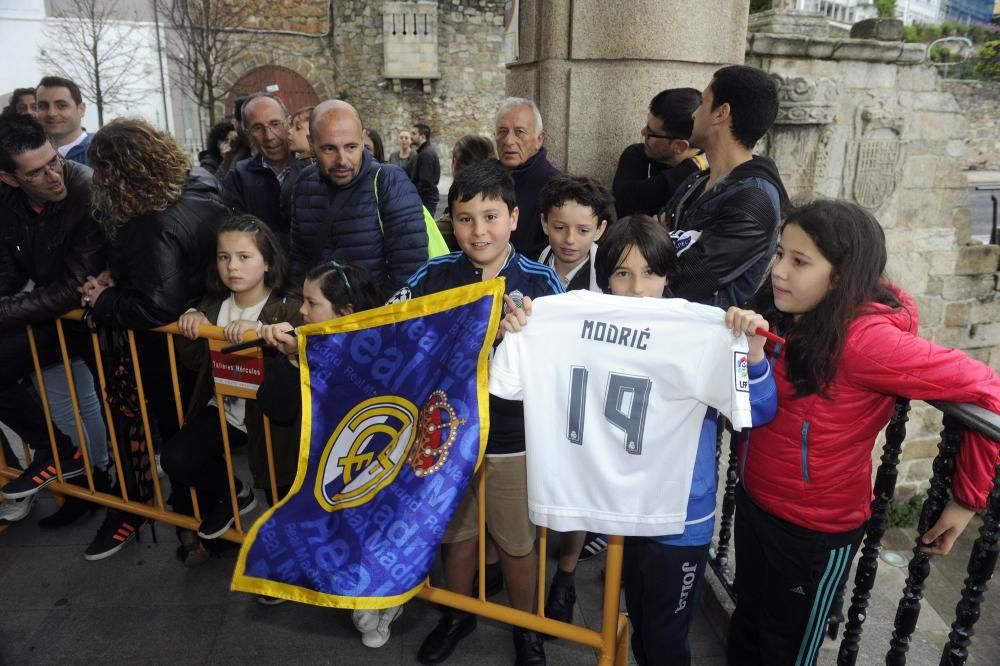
column 523, row 275
column 78, row 153
column 391, row 253
column 529, row 179
column 250, row 187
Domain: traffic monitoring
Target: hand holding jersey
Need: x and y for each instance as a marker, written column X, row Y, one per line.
column 631, row 361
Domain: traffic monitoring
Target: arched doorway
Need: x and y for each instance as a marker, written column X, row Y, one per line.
column 291, row 87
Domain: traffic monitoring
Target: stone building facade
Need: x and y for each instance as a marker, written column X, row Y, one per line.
column 339, row 49
column 978, row 102
column 871, row 122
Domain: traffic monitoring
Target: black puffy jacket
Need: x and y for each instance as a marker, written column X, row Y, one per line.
column 57, row 249
column 392, row 251
column 160, row 260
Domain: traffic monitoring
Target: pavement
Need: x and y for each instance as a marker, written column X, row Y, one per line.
column 141, row 606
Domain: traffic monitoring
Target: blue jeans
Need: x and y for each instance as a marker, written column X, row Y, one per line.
column 61, row 408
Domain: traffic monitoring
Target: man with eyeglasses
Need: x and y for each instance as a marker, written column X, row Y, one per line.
column 261, row 185
column 649, row 172
column 50, row 241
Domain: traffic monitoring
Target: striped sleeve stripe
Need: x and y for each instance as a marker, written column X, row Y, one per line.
column 421, row 272
column 535, row 268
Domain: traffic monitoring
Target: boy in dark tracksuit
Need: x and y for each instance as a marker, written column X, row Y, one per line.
column 484, row 213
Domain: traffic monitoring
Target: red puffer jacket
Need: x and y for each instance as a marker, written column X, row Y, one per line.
column 812, row 465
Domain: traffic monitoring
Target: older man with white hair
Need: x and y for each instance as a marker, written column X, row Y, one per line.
column 520, row 144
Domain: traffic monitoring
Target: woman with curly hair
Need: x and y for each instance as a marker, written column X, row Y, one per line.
column 161, row 216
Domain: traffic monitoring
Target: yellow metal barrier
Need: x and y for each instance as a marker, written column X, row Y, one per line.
column 611, row 640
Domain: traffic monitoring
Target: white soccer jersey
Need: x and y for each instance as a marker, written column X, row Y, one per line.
column 615, row 390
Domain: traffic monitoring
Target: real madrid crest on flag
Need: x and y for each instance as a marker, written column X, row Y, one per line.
column 395, row 412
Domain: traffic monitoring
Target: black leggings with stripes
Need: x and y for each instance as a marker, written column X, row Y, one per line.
column 787, row 577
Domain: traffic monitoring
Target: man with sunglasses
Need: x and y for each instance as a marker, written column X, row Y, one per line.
column 649, row 172
column 48, row 240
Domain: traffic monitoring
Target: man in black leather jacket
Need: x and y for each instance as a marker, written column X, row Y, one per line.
column 48, row 240
column 724, row 221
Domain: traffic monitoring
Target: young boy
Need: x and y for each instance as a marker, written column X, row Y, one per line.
column 575, row 213
column 484, row 213
column 662, row 574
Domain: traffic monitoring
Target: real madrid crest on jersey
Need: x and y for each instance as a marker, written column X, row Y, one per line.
column 393, row 405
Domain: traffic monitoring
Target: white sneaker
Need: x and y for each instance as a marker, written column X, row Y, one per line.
column 13, row 510
column 374, row 625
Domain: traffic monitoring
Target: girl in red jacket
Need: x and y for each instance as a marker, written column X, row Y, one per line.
column 805, row 478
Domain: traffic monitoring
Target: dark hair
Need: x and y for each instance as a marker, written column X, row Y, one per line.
column 674, row 107
column 752, row 98
column 218, row 133
column 470, row 149
column 276, row 277
column 238, row 103
column 424, row 129
column 850, row 238
column 15, row 98
column 345, row 283
column 60, row 82
column 646, row 235
column 19, row 134
column 584, row 191
column 379, row 152
column 488, row 179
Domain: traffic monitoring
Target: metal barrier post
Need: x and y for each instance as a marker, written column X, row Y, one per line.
column 71, row 383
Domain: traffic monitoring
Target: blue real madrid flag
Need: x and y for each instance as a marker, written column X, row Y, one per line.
column 395, row 411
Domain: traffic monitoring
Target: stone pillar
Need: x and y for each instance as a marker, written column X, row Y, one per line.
column 592, row 66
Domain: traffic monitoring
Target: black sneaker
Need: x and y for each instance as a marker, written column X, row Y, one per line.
column 118, row 529
column 559, row 605
column 41, row 472
column 220, row 518
column 529, row 648
column 594, row 545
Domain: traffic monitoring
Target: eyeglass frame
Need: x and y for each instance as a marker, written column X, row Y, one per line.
column 260, row 129
column 54, row 165
column 650, row 134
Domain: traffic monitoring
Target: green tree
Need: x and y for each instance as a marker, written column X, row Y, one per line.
column 759, row 6
column 886, row 8
column 988, row 65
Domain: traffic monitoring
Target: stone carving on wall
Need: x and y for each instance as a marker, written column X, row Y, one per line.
column 805, row 101
column 879, row 121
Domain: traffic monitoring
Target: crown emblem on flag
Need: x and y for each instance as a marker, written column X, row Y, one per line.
column 436, row 418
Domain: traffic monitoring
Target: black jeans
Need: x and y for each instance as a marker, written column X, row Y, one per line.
column 662, row 583
column 786, row 579
column 195, row 458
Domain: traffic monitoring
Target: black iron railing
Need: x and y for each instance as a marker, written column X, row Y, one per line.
column 982, row 562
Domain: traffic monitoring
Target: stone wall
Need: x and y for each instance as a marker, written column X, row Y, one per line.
column 869, row 122
column 470, row 62
column 978, row 102
column 348, row 62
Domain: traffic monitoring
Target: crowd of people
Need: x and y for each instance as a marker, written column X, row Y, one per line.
column 292, row 218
